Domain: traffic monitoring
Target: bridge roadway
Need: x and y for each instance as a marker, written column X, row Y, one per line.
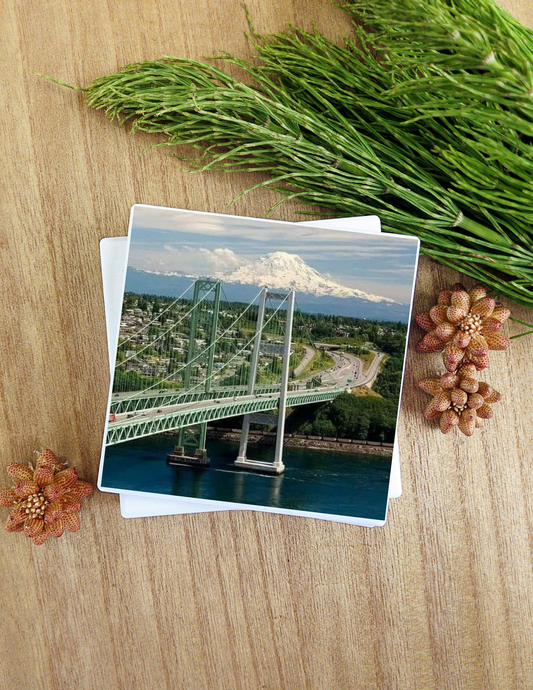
column 145, row 400
column 347, row 372
column 129, row 426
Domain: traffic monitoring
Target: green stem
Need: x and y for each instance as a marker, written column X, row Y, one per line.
column 61, row 83
column 519, row 335
column 483, row 232
column 524, row 323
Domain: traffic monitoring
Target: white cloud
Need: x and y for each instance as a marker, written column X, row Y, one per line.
column 185, row 259
column 220, row 259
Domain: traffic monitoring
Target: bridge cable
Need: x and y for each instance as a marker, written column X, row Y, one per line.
column 162, row 335
column 237, row 354
column 244, row 347
column 198, row 356
column 160, row 314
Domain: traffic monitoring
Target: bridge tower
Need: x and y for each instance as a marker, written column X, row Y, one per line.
column 209, row 322
column 243, row 462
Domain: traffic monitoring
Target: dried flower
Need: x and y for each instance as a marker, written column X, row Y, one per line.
column 465, row 326
column 44, row 501
column 459, row 400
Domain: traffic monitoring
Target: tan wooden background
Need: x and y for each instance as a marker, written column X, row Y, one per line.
column 439, row 598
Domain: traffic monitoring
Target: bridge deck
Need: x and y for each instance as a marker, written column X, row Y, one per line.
column 133, row 402
column 188, row 414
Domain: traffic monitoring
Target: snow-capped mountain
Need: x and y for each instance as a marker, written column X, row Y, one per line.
column 283, row 271
column 167, row 285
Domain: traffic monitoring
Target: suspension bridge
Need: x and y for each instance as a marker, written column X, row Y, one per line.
column 203, row 358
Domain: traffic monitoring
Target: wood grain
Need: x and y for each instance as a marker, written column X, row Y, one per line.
column 440, row 598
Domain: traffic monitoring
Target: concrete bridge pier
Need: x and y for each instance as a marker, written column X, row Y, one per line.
column 178, row 457
column 200, row 457
column 201, row 451
column 244, row 463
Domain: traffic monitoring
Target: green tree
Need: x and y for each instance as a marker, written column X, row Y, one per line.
column 361, row 418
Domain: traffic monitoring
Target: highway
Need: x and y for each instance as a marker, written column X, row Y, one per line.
column 309, row 354
column 373, row 371
column 348, row 370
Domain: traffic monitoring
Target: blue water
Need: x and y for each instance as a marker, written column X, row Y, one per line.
column 314, row 480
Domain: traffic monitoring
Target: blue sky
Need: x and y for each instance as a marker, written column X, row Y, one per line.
column 202, row 244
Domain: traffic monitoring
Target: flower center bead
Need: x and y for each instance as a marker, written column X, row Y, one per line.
column 471, row 324
column 458, row 408
column 35, row 505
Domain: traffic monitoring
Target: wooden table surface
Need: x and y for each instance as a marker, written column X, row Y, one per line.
column 441, row 597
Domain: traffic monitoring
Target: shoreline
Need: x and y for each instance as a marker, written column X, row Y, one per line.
column 268, row 438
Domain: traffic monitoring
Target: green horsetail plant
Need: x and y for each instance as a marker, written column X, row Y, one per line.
column 424, row 117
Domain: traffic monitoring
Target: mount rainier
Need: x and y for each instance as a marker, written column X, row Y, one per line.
column 283, row 271
column 315, row 293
